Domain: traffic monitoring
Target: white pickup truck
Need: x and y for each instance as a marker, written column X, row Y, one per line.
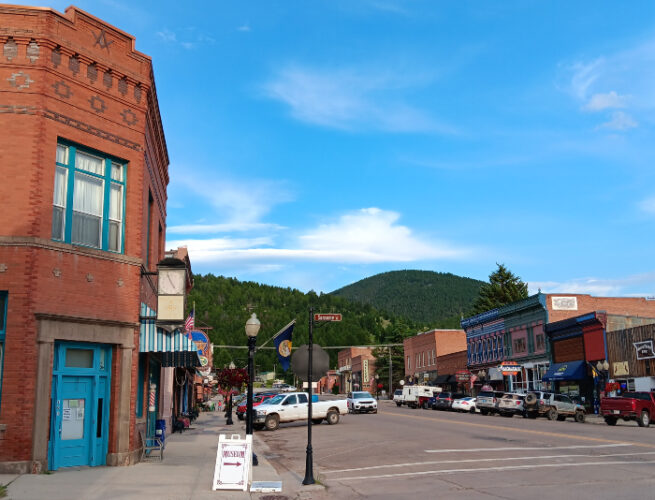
column 293, row 406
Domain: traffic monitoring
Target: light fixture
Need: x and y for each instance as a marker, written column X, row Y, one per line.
column 252, row 326
column 606, row 365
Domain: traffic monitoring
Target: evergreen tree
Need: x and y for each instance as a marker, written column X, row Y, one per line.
column 503, row 288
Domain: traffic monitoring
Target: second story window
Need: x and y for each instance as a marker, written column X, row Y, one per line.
column 89, row 199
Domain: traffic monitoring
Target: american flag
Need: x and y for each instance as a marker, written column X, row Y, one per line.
column 189, row 323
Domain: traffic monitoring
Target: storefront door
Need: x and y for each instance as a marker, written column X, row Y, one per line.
column 80, row 405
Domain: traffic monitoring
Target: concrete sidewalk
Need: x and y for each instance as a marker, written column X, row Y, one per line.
column 185, row 473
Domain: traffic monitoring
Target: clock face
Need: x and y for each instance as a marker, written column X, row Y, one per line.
column 171, row 282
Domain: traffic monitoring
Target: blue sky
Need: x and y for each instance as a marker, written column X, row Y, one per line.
column 313, row 144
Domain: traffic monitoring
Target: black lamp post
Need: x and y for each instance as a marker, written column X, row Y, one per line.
column 252, row 329
column 228, row 405
column 309, row 458
column 377, row 389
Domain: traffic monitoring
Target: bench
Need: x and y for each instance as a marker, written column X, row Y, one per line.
column 150, row 445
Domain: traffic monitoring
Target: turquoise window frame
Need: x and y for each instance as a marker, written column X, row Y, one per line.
column 4, row 299
column 70, row 184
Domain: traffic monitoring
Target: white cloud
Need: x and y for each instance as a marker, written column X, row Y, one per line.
column 620, row 121
column 221, row 228
column 244, row 27
column 599, row 102
column 365, row 236
column 602, row 287
column 648, row 205
column 167, row 35
column 237, row 202
column 349, row 99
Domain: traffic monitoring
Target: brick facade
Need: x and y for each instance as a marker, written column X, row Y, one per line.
column 423, row 352
column 352, row 369
column 72, row 77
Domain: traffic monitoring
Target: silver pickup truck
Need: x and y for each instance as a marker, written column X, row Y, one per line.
column 487, row 401
column 294, row 406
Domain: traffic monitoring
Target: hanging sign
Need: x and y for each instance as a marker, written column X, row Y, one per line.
column 233, row 463
column 510, row 368
column 644, row 349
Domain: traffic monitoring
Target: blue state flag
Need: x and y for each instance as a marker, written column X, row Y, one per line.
column 283, row 345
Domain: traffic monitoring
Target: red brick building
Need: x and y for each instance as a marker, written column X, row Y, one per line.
column 84, row 174
column 356, row 369
column 435, row 355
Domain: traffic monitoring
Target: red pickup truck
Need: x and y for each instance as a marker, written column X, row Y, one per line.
column 639, row 406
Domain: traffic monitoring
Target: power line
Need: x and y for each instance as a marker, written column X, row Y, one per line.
column 324, row 347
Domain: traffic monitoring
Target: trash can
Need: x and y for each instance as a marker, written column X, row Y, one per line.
column 160, row 430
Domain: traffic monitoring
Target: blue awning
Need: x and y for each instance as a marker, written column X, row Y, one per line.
column 573, row 370
column 173, row 348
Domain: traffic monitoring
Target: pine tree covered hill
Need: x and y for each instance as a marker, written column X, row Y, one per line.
column 425, row 297
column 224, row 304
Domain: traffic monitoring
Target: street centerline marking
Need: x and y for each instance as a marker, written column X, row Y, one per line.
column 493, row 469
column 514, row 429
column 478, row 460
column 464, row 450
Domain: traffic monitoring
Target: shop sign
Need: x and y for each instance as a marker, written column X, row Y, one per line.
column 463, row 376
column 202, row 341
column 233, row 463
column 510, row 368
column 644, row 349
column 620, row 368
column 565, row 303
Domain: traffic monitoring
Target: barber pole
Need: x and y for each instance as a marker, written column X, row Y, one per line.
column 151, row 399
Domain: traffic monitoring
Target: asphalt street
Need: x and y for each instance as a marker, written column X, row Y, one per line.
column 403, row 453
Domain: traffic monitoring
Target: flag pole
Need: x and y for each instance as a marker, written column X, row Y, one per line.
column 278, row 333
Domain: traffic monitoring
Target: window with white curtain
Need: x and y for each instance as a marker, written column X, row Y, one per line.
column 88, row 199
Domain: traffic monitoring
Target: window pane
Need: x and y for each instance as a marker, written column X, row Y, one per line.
column 79, row 358
column 87, row 197
column 93, row 164
column 58, row 223
column 59, row 197
column 116, row 202
column 116, row 172
column 62, row 154
column 72, row 419
column 3, row 306
column 114, row 236
column 86, row 230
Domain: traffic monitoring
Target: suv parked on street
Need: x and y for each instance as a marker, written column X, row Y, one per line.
column 511, row 404
column 487, row 401
column 444, row 400
column 553, row 406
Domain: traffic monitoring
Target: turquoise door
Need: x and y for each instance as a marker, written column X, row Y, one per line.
column 80, row 405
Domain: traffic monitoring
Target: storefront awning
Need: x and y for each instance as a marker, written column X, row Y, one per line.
column 174, row 348
column 573, row 370
column 441, row 379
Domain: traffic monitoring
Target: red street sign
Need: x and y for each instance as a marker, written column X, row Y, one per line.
column 327, row 317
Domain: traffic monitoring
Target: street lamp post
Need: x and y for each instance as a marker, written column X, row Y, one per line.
column 228, row 404
column 377, row 389
column 309, row 457
column 252, row 329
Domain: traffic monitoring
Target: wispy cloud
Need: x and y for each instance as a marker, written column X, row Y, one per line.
column 599, row 102
column 353, row 99
column 233, row 227
column 365, row 236
column 620, row 121
column 603, row 287
column 619, row 80
column 188, row 38
column 648, row 205
column 244, row 27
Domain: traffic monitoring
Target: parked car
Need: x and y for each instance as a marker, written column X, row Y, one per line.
column 553, row 406
column 487, row 401
column 361, row 401
column 398, row 397
column 283, row 387
column 257, row 399
column 511, row 404
column 444, row 400
column 466, row 404
column 639, row 406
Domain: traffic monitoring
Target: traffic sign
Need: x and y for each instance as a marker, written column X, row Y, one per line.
column 300, row 360
column 327, row 317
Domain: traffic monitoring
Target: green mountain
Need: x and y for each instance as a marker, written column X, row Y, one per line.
column 224, row 305
column 428, row 298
